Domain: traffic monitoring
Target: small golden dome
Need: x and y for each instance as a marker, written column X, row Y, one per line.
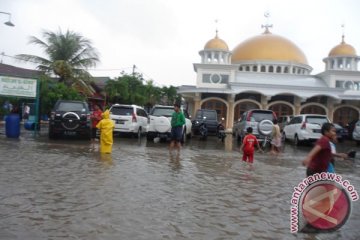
column 343, row 49
column 217, row 44
column 268, row 46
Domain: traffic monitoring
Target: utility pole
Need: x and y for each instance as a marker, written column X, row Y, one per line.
column 133, row 72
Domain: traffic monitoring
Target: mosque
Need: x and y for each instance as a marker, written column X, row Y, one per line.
column 269, row 71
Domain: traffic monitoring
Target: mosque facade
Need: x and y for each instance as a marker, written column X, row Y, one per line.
column 269, row 71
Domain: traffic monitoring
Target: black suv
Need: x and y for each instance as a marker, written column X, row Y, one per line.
column 207, row 116
column 70, row 118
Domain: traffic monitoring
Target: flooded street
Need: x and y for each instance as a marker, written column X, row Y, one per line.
column 62, row 190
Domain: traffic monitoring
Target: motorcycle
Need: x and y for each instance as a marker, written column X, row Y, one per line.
column 203, row 130
column 221, row 131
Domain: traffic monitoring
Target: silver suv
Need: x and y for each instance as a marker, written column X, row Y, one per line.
column 261, row 121
column 129, row 119
column 305, row 127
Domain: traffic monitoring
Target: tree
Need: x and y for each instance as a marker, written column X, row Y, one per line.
column 51, row 91
column 69, row 55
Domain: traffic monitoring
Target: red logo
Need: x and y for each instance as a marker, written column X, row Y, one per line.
column 326, row 206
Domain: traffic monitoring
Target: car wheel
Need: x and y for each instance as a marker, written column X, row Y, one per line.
column 296, row 140
column 138, row 134
column 150, row 137
column 51, row 134
column 183, row 138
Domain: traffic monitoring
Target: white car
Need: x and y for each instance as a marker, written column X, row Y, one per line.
column 129, row 119
column 356, row 133
column 159, row 124
column 305, row 127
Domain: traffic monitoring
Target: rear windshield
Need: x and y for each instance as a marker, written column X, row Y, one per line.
column 207, row 114
column 316, row 120
column 71, row 107
column 123, row 111
column 166, row 112
column 259, row 116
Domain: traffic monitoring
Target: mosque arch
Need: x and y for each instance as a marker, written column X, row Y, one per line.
column 281, row 108
column 244, row 105
column 345, row 113
column 215, row 103
column 313, row 108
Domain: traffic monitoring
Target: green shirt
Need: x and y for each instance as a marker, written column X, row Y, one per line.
column 177, row 119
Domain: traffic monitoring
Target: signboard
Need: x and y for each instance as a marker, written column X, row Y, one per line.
column 22, row 87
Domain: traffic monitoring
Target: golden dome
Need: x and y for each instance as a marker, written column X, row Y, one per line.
column 343, row 49
column 268, row 46
column 216, row 43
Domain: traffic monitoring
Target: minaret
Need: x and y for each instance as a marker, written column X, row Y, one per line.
column 342, row 57
column 216, row 51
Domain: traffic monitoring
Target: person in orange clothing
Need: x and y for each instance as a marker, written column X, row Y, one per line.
column 95, row 119
column 248, row 146
column 106, row 126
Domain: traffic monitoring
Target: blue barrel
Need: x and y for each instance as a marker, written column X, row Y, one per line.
column 12, row 126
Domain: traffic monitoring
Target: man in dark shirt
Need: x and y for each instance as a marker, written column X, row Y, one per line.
column 318, row 159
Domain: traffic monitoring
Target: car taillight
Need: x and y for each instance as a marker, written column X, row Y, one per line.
column 303, row 126
column 249, row 117
column 134, row 118
column 52, row 115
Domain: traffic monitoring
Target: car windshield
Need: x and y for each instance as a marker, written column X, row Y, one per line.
column 316, row 120
column 166, row 112
column 123, row 111
column 259, row 116
column 71, row 106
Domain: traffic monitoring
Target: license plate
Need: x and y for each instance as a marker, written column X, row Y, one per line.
column 317, row 130
column 120, row 121
column 70, row 133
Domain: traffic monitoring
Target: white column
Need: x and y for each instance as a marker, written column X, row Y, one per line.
column 336, row 64
column 212, row 57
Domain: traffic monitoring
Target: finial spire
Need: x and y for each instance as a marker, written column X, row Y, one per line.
column 216, row 28
column 267, row 25
column 343, row 33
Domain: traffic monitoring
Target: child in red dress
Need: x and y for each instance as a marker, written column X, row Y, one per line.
column 248, row 146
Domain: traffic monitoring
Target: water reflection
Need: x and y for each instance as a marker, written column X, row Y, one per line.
column 61, row 190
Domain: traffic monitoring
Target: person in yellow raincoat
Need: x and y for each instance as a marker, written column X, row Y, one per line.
column 106, row 126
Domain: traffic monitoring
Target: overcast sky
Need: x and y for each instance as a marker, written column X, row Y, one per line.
column 163, row 37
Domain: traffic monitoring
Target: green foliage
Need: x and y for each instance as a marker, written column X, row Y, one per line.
column 133, row 89
column 68, row 55
column 51, row 91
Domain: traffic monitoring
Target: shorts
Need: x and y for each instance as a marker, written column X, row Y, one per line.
column 176, row 133
column 248, row 157
column 93, row 133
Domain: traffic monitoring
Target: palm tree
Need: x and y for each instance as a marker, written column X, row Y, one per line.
column 69, row 55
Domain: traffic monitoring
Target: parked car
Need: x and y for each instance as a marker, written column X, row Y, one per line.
column 356, row 133
column 129, row 119
column 70, row 118
column 261, row 122
column 159, row 123
column 305, row 127
column 209, row 117
column 284, row 120
column 341, row 133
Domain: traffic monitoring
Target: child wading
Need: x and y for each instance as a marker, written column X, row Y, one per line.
column 248, row 146
column 106, row 126
column 319, row 158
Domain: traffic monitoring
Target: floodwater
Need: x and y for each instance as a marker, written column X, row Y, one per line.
column 61, row 190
